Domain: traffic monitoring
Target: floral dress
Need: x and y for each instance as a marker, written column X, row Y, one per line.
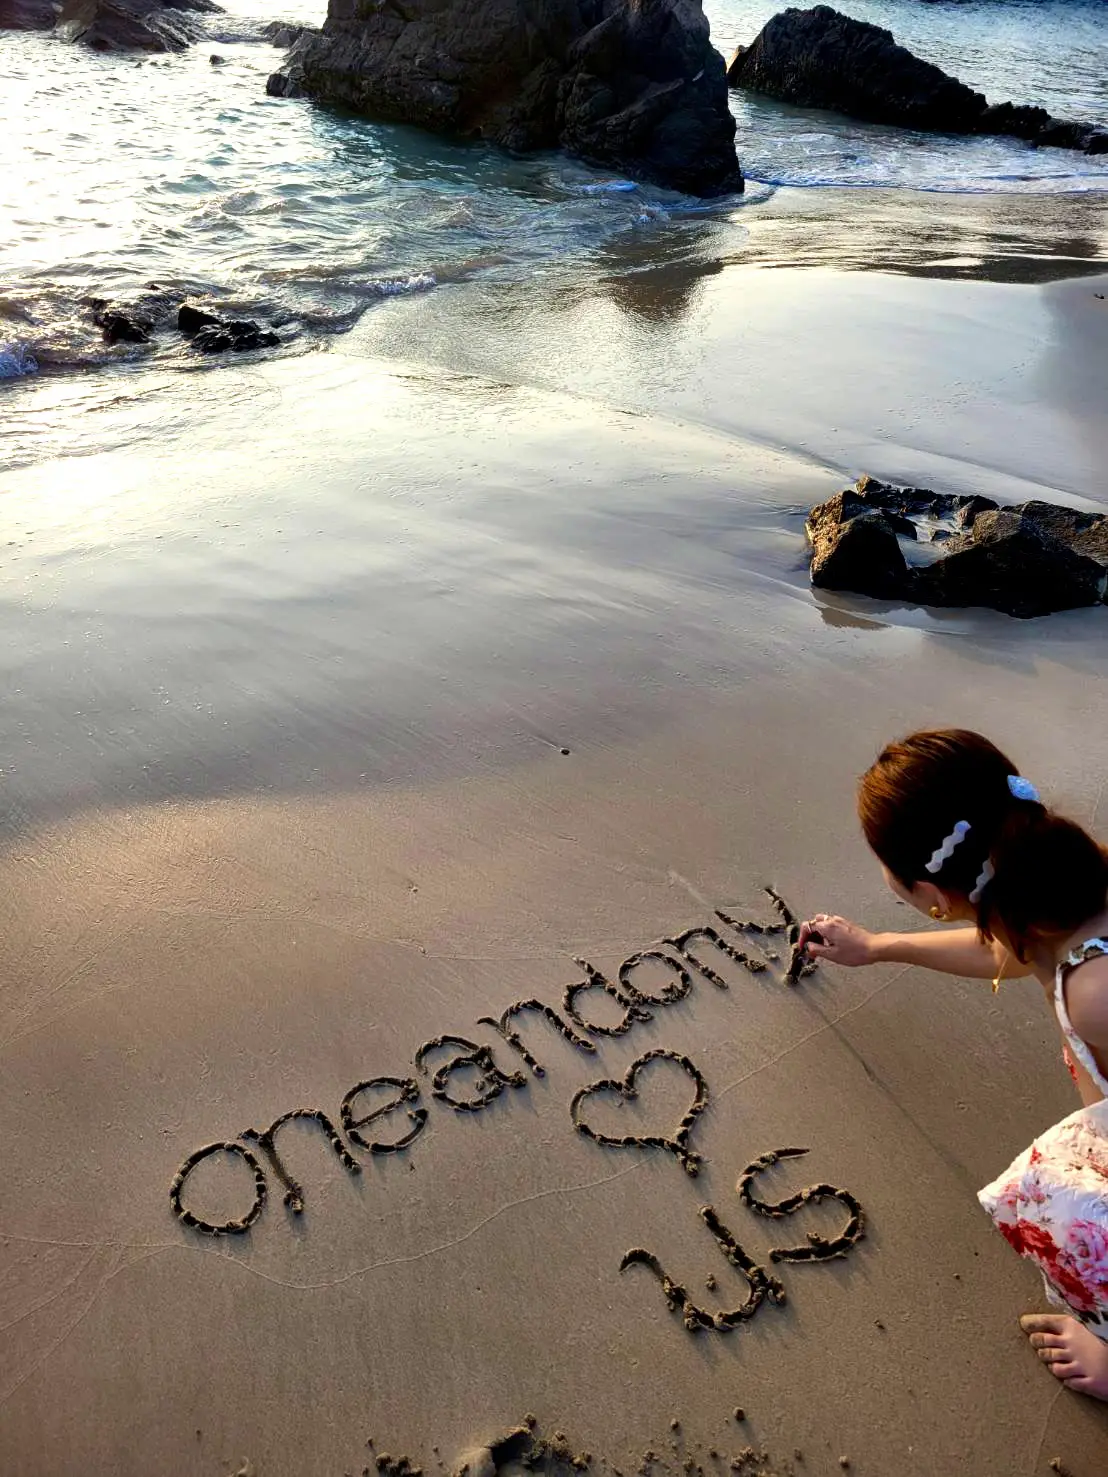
column 1051, row 1203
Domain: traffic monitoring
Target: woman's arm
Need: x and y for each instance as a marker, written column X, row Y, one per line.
column 953, row 951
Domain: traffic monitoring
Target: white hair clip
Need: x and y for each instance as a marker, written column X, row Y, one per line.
column 1023, row 789
column 946, row 850
column 984, row 877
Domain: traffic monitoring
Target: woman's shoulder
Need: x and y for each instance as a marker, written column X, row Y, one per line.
column 1087, row 995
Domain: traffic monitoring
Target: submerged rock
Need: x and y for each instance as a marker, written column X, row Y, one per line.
column 212, row 334
column 133, row 25
column 819, row 58
column 1028, row 560
column 633, row 85
column 134, row 319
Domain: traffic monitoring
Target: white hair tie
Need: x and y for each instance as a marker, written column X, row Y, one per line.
column 946, row 850
column 984, row 877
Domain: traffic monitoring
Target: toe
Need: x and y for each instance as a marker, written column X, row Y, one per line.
column 1083, row 1384
column 1047, row 1341
column 1065, row 1370
column 1044, row 1322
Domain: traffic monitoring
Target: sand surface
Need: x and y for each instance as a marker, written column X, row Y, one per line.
column 297, row 803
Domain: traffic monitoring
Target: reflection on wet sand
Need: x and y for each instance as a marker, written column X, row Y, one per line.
column 992, row 238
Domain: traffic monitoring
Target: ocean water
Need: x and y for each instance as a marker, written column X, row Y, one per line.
column 118, row 171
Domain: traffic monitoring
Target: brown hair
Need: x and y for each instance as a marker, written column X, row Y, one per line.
column 1050, row 875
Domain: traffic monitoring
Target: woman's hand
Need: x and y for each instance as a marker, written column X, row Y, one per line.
column 839, row 942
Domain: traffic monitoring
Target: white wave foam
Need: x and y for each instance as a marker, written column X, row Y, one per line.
column 397, row 286
column 16, row 360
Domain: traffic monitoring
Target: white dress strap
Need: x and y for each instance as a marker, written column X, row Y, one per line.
column 1088, row 950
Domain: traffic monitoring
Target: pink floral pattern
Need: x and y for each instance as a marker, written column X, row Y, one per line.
column 1051, row 1206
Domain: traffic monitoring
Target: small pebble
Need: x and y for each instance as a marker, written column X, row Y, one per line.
column 798, row 1455
column 675, row 1424
column 564, row 751
column 844, row 1461
column 877, row 1323
column 740, row 1414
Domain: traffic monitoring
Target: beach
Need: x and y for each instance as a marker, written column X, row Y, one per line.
column 357, row 695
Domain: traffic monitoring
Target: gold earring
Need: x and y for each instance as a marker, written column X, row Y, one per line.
column 938, row 916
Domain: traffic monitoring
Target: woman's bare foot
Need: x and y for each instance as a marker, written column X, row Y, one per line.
column 1071, row 1352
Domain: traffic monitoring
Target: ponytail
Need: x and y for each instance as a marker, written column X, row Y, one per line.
column 1027, row 872
column 1049, row 877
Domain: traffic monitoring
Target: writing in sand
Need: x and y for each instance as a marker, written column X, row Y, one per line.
column 385, row 1114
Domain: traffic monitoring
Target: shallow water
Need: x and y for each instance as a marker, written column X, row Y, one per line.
column 118, row 171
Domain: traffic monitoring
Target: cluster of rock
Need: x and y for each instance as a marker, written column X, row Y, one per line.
column 631, row 85
column 821, row 59
column 139, row 25
column 137, row 320
column 910, row 544
column 135, row 25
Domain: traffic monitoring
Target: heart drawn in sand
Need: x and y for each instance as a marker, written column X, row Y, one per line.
column 627, row 1091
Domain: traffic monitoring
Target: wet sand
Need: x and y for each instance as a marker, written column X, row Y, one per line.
column 288, row 689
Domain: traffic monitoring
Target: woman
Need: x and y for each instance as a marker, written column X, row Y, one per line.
column 963, row 838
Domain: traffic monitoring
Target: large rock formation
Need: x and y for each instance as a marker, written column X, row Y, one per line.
column 1025, row 561
column 27, row 15
column 134, row 25
column 821, row 59
column 633, row 85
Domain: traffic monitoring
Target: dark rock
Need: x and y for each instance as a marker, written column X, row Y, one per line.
column 245, row 334
column 632, row 85
column 284, row 33
column 213, row 339
column 190, row 319
column 1027, row 560
column 214, row 335
column 869, row 496
column 820, row 59
column 1093, row 541
column 122, row 327
column 135, row 318
column 860, row 554
column 970, row 509
column 1012, row 564
column 1061, row 523
column 27, row 15
column 128, row 25
column 289, row 83
column 217, row 61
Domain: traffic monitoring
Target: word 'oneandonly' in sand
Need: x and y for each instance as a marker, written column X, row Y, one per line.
column 393, row 1102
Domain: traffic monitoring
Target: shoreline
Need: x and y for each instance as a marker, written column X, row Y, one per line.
column 656, row 267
